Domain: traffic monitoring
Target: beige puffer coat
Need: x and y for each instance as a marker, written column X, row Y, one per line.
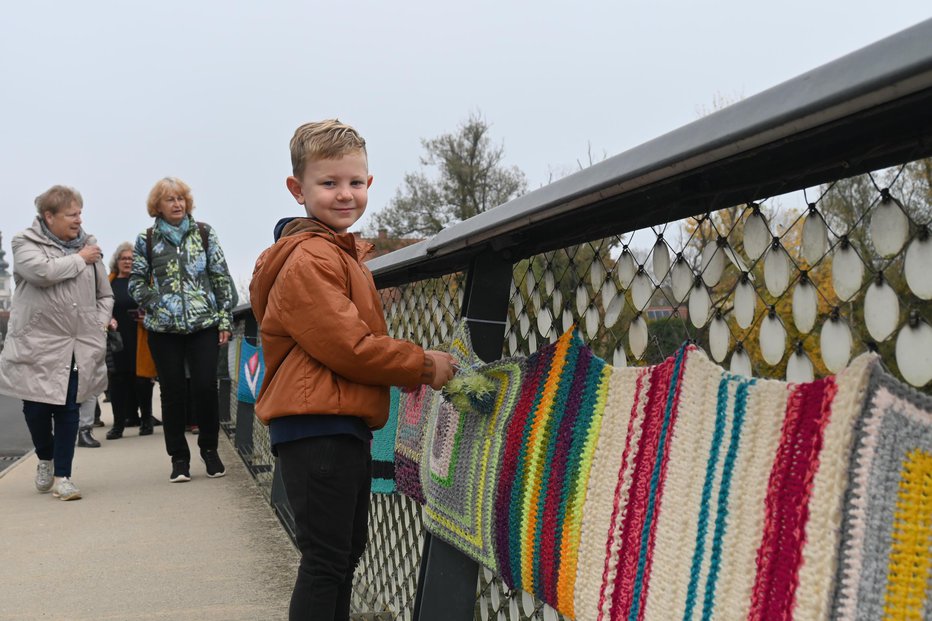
column 56, row 312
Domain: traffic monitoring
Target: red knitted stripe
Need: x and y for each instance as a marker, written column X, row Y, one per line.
column 787, row 505
column 617, row 505
column 674, row 408
column 640, row 490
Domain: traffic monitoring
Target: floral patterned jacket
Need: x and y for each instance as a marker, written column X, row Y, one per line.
column 190, row 290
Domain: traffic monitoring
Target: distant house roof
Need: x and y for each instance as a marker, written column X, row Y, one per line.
column 385, row 244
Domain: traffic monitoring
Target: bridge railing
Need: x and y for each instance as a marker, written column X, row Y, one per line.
column 784, row 235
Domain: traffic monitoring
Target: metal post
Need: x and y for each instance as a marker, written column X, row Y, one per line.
column 448, row 578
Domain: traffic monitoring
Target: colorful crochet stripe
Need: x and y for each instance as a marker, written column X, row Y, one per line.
column 383, row 449
column 885, row 570
column 549, row 443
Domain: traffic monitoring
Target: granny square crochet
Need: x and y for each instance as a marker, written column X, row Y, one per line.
column 886, row 560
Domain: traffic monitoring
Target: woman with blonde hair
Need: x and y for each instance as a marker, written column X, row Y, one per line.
column 180, row 279
column 132, row 367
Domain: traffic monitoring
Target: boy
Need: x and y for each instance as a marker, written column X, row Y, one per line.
column 329, row 363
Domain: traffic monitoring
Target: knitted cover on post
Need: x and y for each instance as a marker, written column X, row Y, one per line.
column 251, row 372
column 886, row 563
column 383, row 449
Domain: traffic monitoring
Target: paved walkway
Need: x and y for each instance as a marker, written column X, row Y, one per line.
column 139, row 547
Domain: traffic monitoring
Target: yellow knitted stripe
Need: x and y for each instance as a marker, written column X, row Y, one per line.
column 536, row 453
column 572, row 524
column 908, row 570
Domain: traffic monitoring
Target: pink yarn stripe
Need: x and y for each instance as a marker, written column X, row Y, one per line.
column 620, row 504
column 640, row 491
column 787, row 505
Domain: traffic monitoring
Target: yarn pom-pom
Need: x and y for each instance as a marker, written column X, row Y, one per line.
column 471, row 391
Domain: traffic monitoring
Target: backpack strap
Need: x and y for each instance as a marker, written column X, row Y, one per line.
column 149, row 252
column 204, row 230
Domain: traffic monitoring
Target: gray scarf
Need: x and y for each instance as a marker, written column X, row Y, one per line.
column 70, row 247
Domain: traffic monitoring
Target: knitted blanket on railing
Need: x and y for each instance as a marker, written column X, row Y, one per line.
column 681, row 491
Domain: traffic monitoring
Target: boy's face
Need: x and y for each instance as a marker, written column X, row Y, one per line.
column 334, row 191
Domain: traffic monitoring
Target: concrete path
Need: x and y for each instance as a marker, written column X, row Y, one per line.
column 139, row 547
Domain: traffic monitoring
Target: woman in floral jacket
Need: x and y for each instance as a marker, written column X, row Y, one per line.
column 180, row 279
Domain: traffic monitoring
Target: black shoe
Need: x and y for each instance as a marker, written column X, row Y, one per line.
column 98, row 422
column 87, row 440
column 145, row 429
column 132, row 422
column 215, row 467
column 114, row 434
column 156, row 422
column 181, row 471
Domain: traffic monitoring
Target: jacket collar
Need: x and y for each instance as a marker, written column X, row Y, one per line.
column 345, row 241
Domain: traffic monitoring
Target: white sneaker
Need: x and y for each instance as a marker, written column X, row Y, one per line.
column 66, row 490
column 44, row 475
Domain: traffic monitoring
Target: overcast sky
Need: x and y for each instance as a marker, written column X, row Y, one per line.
column 111, row 96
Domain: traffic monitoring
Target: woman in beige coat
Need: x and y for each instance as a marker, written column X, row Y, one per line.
column 53, row 358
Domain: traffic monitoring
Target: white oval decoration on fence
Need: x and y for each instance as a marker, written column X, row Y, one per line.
column 712, row 264
column 799, row 368
column 527, row 603
column 567, row 320
column 881, row 310
column 592, row 322
column 889, row 228
column 596, row 273
column 682, row 278
column 637, row 337
column 756, row 235
column 918, row 268
column 719, row 339
column 914, row 353
column 745, row 301
column 524, row 323
column 613, row 312
column 619, row 359
column 815, row 237
column 626, row 268
column 660, row 257
column 582, row 299
column 642, row 288
column 772, row 339
column 608, row 292
column 847, row 272
column 700, row 305
column 556, row 302
column 777, row 270
column 835, row 341
column 529, row 282
column 549, row 283
column 544, row 321
column 741, row 363
column 805, row 306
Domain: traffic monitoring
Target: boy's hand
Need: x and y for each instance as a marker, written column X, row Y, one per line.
column 443, row 365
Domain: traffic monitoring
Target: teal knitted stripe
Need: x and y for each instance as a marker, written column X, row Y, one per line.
column 721, row 519
column 721, row 407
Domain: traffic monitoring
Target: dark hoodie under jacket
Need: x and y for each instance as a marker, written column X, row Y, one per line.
column 324, row 337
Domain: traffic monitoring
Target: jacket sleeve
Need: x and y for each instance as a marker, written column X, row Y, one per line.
column 220, row 281
column 318, row 314
column 104, row 294
column 139, row 288
column 40, row 270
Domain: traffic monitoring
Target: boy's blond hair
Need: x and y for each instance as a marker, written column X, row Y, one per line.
column 323, row 140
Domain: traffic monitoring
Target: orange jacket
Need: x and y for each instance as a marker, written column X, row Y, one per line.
column 322, row 329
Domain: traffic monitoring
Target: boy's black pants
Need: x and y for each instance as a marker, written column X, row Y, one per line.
column 327, row 480
column 200, row 350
